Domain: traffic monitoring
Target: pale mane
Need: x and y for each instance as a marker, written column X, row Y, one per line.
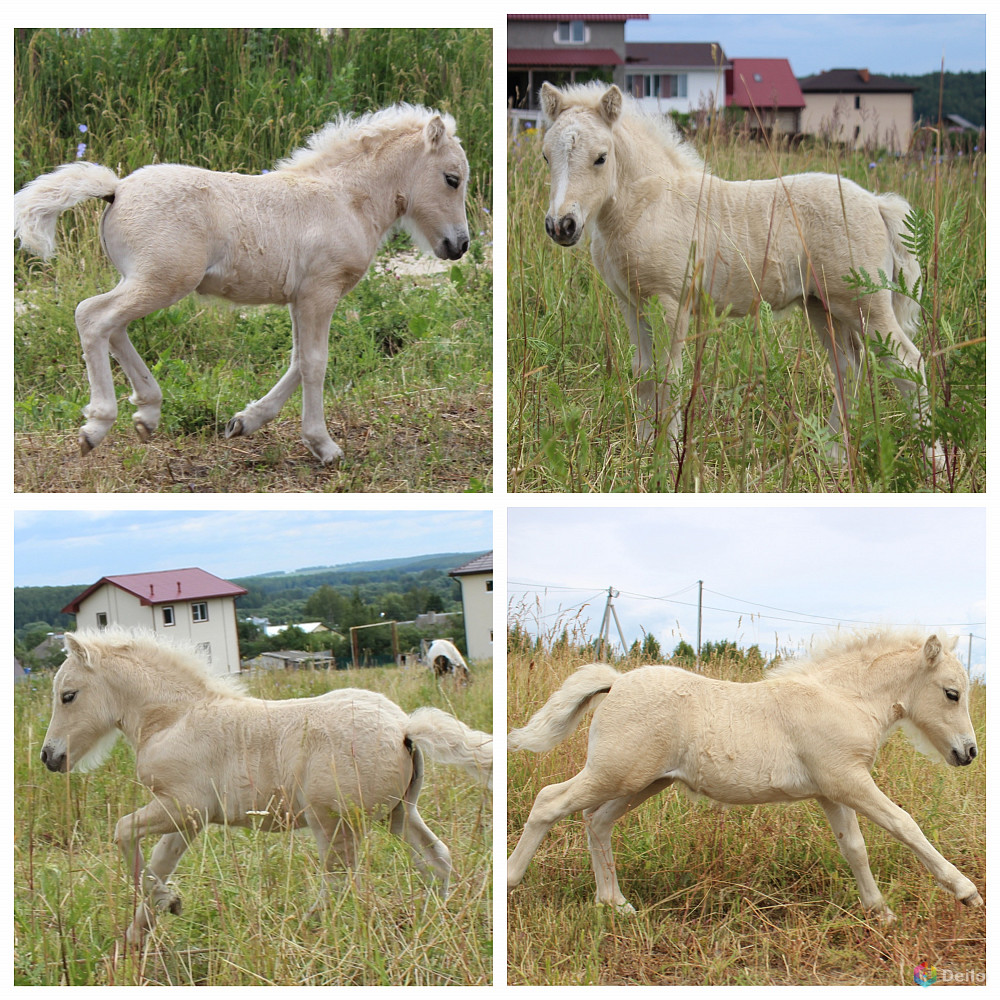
column 159, row 656
column 836, row 648
column 645, row 123
column 342, row 139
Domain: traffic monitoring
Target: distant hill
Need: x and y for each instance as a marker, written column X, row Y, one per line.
column 963, row 94
column 43, row 604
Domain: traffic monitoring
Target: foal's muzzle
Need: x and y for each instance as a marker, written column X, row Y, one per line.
column 52, row 760
column 566, row 231
column 964, row 756
column 452, row 249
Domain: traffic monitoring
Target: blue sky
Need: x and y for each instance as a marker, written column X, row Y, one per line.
column 884, row 43
column 773, row 576
column 79, row 547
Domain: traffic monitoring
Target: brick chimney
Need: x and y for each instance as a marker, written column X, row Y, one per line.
column 865, row 75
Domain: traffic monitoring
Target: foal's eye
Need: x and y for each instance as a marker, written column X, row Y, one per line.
column 600, row 161
column 453, row 180
column 67, row 697
column 951, row 694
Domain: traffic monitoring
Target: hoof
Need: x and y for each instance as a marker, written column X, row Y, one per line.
column 85, row 446
column 234, row 428
column 174, row 906
column 974, row 900
column 143, row 430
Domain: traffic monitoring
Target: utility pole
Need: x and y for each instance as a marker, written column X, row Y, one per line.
column 609, row 611
column 697, row 650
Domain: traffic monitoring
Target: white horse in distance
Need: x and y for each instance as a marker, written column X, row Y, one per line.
column 809, row 730
column 303, row 235
column 444, row 658
column 662, row 225
column 209, row 753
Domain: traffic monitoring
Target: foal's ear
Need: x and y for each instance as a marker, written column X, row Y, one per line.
column 932, row 650
column 611, row 104
column 435, row 132
column 77, row 649
column 551, row 101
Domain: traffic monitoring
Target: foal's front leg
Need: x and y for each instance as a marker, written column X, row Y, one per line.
column 310, row 349
column 869, row 800
column 151, row 881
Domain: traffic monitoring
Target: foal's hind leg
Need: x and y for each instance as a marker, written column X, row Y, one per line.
column 337, row 843
column 599, row 823
column 102, row 322
column 430, row 854
column 553, row 803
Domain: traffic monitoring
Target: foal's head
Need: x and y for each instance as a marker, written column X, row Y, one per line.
column 579, row 149
column 937, row 713
column 435, row 209
column 83, row 725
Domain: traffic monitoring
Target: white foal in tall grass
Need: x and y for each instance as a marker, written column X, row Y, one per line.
column 661, row 225
column 810, row 730
column 444, row 658
column 209, row 753
column 302, row 235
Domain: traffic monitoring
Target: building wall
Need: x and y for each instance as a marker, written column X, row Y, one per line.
column 214, row 638
column 541, row 35
column 882, row 119
column 706, row 88
column 477, row 604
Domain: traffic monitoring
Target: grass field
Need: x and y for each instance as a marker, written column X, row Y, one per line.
column 245, row 893
column 408, row 392
column 750, row 896
column 755, row 390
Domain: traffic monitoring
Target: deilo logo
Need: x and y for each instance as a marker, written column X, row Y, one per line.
column 924, row 974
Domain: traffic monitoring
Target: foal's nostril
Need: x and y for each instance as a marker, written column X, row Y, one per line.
column 568, row 225
column 973, row 751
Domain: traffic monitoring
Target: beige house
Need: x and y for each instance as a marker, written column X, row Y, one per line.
column 858, row 108
column 189, row 605
column 476, row 580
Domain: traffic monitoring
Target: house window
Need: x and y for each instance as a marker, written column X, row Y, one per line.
column 489, row 586
column 571, row 32
column 102, row 619
column 857, row 102
column 657, row 84
column 199, row 612
column 168, row 616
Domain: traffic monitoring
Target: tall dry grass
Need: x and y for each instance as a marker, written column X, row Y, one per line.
column 750, row 896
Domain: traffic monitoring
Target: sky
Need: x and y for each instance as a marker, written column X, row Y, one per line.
column 772, row 576
column 883, row 43
column 79, row 547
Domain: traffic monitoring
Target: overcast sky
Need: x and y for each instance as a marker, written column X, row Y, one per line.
column 80, row 547
column 773, row 576
column 883, row 43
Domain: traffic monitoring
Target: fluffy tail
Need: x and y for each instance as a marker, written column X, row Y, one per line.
column 446, row 739
column 38, row 205
column 556, row 720
column 894, row 210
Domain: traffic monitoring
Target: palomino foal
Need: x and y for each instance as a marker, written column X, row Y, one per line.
column 301, row 235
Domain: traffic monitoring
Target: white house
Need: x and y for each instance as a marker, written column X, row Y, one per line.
column 476, row 580
column 189, row 605
column 677, row 76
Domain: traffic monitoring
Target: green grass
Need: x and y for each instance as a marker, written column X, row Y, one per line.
column 749, row 896
column 756, row 390
column 409, row 385
column 245, row 893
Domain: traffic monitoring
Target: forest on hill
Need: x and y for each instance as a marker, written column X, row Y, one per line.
column 955, row 93
column 338, row 596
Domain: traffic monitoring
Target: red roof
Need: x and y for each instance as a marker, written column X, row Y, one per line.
column 764, row 83
column 621, row 18
column 163, row 588
column 570, row 56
